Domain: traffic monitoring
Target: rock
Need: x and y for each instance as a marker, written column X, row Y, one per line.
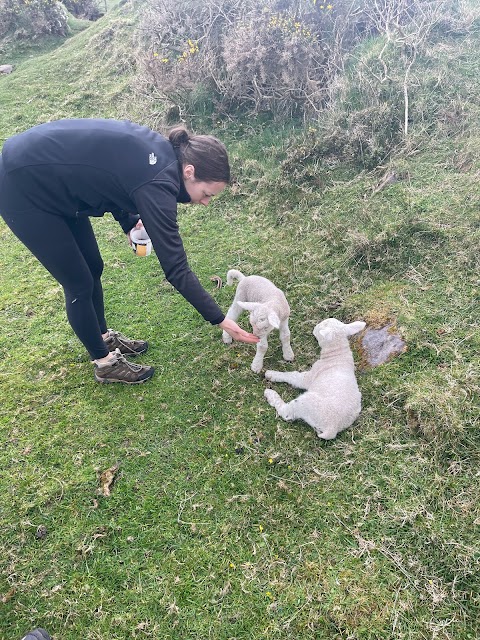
column 381, row 345
column 6, row 68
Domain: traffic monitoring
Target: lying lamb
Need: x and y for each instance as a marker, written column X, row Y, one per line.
column 332, row 401
column 268, row 310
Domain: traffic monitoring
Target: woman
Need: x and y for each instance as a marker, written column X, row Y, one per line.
column 55, row 175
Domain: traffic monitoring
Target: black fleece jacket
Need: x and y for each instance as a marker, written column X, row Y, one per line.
column 86, row 167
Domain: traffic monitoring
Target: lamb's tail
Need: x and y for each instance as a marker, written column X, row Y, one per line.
column 233, row 274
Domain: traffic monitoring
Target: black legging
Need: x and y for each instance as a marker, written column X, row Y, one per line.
column 67, row 247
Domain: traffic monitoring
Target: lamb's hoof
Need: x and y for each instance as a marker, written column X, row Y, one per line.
column 326, row 435
column 270, row 396
column 227, row 339
column 255, row 368
column 269, row 374
column 289, row 356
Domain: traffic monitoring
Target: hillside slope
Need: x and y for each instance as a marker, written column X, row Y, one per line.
column 90, row 74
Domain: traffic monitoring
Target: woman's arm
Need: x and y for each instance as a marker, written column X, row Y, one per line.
column 157, row 205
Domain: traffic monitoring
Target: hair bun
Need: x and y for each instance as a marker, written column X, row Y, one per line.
column 178, row 136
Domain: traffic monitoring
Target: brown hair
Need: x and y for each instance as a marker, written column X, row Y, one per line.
column 206, row 153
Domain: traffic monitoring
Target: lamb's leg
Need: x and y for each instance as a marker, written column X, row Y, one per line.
column 233, row 313
column 285, row 339
column 295, row 378
column 283, row 409
column 299, row 409
column 262, row 347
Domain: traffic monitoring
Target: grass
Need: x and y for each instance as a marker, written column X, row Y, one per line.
column 225, row 522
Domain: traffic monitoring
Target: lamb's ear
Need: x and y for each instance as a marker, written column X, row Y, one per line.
column 355, row 327
column 273, row 320
column 248, row 306
column 326, row 334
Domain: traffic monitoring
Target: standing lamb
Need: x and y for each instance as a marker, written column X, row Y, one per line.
column 268, row 310
column 332, row 401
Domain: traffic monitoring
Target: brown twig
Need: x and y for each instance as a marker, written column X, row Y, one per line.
column 218, row 281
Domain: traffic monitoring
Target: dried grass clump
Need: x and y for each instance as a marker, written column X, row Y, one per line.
column 395, row 248
column 363, row 138
column 437, row 405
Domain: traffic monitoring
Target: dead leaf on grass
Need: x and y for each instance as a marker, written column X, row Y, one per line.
column 107, row 478
column 141, row 626
column 222, row 593
column 8, row 596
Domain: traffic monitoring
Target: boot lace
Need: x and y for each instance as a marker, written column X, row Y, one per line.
column 136, row 368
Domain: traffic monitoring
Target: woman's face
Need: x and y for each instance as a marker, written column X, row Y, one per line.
column 200, row 192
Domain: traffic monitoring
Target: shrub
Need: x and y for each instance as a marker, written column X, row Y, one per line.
column 31, row 19
column 274, row 62
column 87, row 9
column 250, row 56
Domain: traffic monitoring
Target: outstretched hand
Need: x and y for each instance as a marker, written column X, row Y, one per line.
column 237, row 332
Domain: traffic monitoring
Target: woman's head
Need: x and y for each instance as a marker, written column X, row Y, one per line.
column 204, row 159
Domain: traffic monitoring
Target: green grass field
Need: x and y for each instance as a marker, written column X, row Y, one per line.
column 225, row 522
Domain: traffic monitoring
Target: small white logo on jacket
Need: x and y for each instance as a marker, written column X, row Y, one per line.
column 152, row 158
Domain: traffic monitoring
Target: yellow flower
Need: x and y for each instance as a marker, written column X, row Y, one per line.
column 155, row 55
column 260, row 528
column 270, row 461
column 165, row 60
column 329, row 6
column 231, row 565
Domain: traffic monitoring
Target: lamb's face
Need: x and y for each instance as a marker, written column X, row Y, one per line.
column 328, row 329
column 260, row 324
column 332, row 329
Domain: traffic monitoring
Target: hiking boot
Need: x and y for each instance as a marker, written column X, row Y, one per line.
column 116, row 340
column 119, row 369
column 37, row 634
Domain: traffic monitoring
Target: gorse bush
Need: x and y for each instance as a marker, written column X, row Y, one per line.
column 274, row 62
column 249, row 56
column 32, row 19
